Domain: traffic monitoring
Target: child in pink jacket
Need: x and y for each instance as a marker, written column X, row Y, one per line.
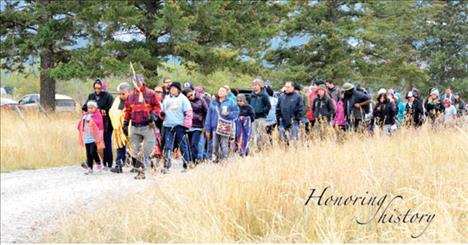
column 91, row 131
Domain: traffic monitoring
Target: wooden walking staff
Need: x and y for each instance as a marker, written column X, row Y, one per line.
column 141, row 100
column 140, row 97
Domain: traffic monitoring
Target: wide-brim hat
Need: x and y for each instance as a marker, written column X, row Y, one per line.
column 347, row 86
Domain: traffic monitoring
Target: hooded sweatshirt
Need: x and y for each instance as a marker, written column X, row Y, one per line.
column 401, row 108
column 200, row 109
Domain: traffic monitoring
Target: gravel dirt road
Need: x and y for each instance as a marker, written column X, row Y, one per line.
column 32, row 201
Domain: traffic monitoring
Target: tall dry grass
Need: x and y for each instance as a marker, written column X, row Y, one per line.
column 261, row 199
column 39, row 141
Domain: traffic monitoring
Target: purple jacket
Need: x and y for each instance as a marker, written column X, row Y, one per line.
column 200, row 109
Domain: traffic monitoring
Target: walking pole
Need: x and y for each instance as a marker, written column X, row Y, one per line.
column 185, row 137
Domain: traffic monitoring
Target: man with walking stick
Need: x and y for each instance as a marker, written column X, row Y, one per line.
column 142, row 109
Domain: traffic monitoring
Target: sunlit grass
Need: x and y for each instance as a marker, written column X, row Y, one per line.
column 39, row 141
column 261, row 199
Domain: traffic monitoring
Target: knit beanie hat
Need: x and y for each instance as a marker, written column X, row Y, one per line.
column 435, row 91
column 92, row 103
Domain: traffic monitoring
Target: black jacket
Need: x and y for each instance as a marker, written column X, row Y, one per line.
column 323, row 108
column 260, row 103
column 104, row 101
column 247, row 111
column 384, row 113
column 352, row 98
column 289, row 108
column 415, row 112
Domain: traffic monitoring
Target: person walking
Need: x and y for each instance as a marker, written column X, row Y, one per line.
column 401, row 108
column 289, row 114
column 205, row 146
column 116, row 115
column 414, row 110
column 200, row 109
column 450, row 113
column 178, row 115
column 260, row 101
column 90, row 128
column 433, row 106
column 244, row 125
column 459, row 105
column 221, row 116
column 356, row 105
column 142, row 109
column 384, row 113
column 104, row 102
column 323, row 108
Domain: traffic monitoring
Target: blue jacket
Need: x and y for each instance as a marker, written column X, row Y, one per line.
column 401, row 108
column 290, row 108
column 211, row 121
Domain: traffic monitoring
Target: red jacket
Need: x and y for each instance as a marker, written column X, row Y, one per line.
column 140, row 113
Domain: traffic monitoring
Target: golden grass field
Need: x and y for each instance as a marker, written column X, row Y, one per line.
column 261, row 199
column 39, row 141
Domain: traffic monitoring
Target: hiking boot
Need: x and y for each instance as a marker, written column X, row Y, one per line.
column 140, row 175
column 117, row 169
column 84, row 165
column 133, row 170
column 191, row 166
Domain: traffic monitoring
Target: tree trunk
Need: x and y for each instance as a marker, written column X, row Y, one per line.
column 47, row 92
column 47, row 83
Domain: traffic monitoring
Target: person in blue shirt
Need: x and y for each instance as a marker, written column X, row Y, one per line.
column 177, row 120
column 219, row 123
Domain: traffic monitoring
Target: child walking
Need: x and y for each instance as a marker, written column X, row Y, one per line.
column 244, row 125
column 91, row 132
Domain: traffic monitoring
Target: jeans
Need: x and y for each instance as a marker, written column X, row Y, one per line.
column 220, row 146
column 121, row 156
column 290, row 133
column 108, row 158
column 202, row 147
column 194, row 139
column 208, row 148
column 138, row 135
column 173, row 135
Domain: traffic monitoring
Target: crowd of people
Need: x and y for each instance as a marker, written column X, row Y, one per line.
column 143, row 124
